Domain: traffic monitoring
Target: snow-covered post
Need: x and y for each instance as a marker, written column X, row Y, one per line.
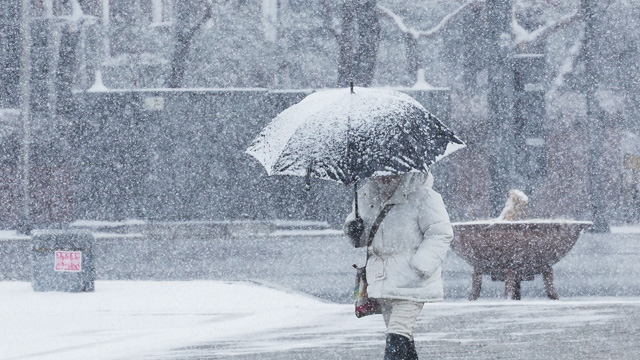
column 25, row 102
column 501, row 103
column 594, row 120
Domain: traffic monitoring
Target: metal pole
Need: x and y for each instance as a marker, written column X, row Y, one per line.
column 25, row 99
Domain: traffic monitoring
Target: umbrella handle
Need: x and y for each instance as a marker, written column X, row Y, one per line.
column 307, row 178
column 355, row 183
column 355, row 193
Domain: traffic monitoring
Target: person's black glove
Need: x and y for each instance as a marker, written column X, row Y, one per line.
column 355, row 229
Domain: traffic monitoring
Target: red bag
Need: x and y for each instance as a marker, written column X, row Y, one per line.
column 364, row 304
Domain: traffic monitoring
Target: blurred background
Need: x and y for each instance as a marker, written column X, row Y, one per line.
column 142, row 109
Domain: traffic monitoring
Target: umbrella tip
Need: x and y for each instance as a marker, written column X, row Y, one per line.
column 352, row 87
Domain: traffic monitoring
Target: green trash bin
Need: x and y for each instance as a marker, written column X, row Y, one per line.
column 62, row 260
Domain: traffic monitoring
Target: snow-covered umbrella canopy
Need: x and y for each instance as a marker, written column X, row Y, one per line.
column 349, row 135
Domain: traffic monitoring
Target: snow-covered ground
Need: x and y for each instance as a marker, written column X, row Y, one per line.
column 131, row 320
column 213, row 319
column 598, row 316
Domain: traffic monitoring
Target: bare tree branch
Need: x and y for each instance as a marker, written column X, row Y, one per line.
column 330, row 21
column 385, row 12
column 419, row 34
column 445, row 20
column 567, row 65
column 524, row 38
column 183, row 42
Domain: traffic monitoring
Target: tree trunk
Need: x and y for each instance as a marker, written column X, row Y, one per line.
column 346, row 44
column 9, row 55
column 594, row 120
column 24, row 225
column 66, row 68
column 358, row 42
column 368, row 41
column 185, row 31
column 501, row 103
column 411, row 51
column 474, row 46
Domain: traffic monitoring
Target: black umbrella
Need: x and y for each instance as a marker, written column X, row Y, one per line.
column 349, row 135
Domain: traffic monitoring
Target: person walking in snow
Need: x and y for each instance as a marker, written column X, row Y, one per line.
column 405, row 255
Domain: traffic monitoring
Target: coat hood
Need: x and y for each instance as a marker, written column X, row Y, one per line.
column 409, row 183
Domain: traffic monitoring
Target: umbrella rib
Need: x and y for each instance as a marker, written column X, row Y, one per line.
column 414, row 147
column 309, row 155
column 286, row 145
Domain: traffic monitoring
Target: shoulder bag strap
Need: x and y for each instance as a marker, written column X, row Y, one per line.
column 375, row 226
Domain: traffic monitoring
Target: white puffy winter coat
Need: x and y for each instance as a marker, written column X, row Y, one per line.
column 406, row 254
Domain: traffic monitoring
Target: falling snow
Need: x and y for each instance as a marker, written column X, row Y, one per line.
column 129, row 122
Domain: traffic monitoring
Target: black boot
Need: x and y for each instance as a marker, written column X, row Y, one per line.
column 413, row 354
column 400, row 348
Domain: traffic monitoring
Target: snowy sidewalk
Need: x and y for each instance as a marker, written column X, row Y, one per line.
column 220, row 320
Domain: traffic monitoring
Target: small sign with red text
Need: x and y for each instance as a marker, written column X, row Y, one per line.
column 68, row 261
